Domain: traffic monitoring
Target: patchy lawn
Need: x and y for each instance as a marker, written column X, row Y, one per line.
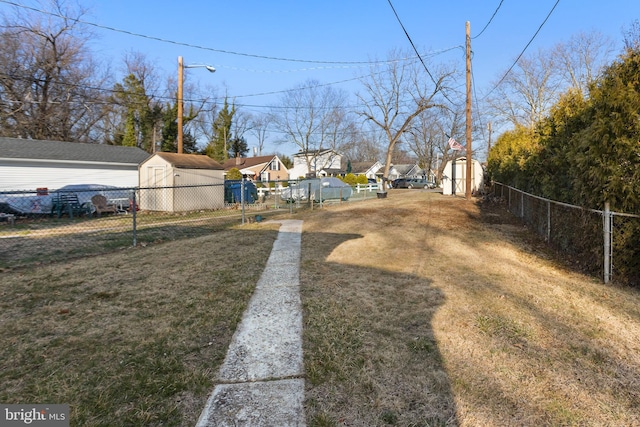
column 419, row 310
column 131, row 338
column 425, row 310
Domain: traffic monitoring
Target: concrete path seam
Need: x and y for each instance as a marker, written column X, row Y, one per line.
column 260, row 382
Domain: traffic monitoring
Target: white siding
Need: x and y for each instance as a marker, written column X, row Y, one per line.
column 477, row 176
column 29, row 176
column 157, row 172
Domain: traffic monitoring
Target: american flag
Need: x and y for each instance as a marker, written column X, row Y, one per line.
column 455, row 145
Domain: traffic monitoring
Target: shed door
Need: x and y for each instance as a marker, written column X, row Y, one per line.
column 157, row 182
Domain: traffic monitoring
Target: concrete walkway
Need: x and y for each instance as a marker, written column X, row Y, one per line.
column 260, row 382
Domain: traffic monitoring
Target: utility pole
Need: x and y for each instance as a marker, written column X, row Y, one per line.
column 468, row 111
column 181, row 68
column 180, row 105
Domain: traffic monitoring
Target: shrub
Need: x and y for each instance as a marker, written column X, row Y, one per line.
column 234, row 173
column 350, row 179
column 362, row 179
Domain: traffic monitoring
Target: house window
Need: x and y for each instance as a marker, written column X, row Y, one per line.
column 274, row 166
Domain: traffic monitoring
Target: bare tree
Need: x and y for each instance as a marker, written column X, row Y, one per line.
column 259, row 128
column 365, row 145
column 527, row 92
column 241, row 124
column 310, row 117
column 524, row 95
column 396, row 93
column 47, row 76
column 581, row 59
column 134, row 112
column 632, row 35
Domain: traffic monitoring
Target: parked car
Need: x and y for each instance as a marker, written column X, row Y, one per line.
column 413, row 183
column 400, row 183
column 327, row 188
column 421, row 183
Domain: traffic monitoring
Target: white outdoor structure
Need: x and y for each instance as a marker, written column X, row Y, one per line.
column 163, row 174
column 27, row 164
column 459, row 175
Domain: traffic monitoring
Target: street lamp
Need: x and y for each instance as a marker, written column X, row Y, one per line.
column 181, row 68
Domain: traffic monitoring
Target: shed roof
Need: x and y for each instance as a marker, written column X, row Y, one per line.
column 190, row 161
column 32, row 149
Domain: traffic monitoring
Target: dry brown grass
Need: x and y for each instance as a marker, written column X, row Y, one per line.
column 420, row 310
column 128, row 338
column 427, row 310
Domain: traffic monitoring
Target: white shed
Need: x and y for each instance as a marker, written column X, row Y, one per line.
column 173, row 182
column 27, row 164
column 454, row 176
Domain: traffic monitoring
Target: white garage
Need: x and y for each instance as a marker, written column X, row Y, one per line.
column 27, row 164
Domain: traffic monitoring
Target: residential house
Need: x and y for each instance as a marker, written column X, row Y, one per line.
column 368, row 169
column 316, row 163
column 27, row 164
column 259, row 168
column 404, row 171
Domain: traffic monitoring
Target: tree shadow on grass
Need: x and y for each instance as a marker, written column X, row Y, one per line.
column 371, row 357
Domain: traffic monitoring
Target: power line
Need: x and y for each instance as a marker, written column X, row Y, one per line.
column 475, row 96
column 523, row 50
column 490, row 19
column 228, row 52
column 411, row 41
column 416, row 51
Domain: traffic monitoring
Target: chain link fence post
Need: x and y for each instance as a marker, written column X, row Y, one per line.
column 607, row 242
column 242, row 199
column 134, row 208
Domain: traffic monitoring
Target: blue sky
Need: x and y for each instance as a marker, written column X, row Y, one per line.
column 333, row 31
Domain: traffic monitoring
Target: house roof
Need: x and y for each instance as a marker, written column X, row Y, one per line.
column 364, row 167
column 246, row 162
column 405, row 168
column 190, row 161
column 30, row 149
column 314, row 152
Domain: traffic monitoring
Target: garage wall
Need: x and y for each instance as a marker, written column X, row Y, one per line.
column 29, row 176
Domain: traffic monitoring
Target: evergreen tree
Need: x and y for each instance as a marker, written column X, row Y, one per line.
column 139, row 115
column 170, row 132
column 238, row 147
column 219, row 146
column 607, row 155
column 170, row 129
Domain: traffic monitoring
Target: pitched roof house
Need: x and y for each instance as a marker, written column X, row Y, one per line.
column 404, row 171
column 259, row 168
column 27, row 164
column 368, row 169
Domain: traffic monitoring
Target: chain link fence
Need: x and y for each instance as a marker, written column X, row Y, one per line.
column 42, row 226
column 603, row 243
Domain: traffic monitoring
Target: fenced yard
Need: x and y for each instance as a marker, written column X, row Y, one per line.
column 601, row 242
column 419, row 310
column 36, row 229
